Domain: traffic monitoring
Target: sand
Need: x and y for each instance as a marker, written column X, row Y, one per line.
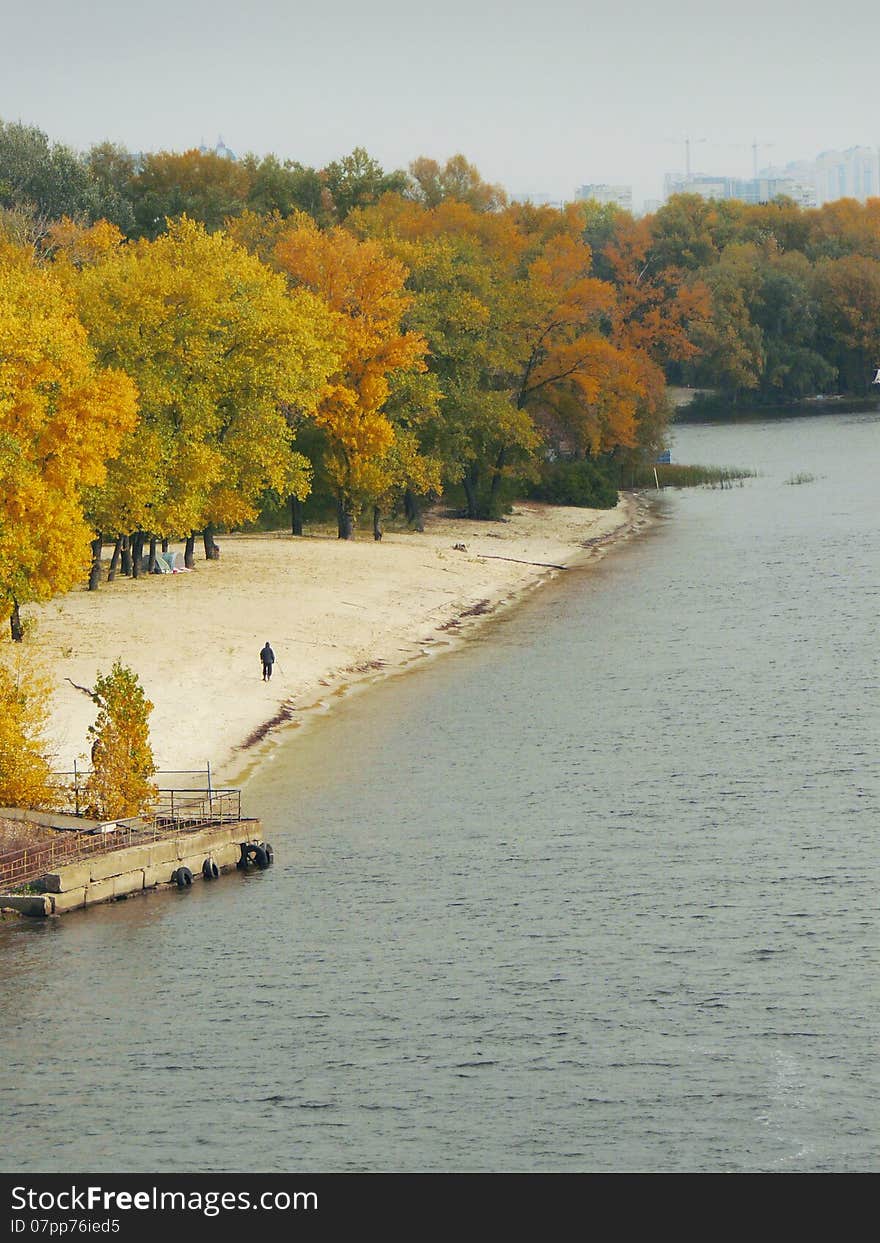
column 337, row 614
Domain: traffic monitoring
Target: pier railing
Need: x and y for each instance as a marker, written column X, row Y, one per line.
column 177, row 811
column 72, row 787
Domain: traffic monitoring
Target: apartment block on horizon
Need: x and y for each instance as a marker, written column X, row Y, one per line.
column 761, row 189
column 599, row 192
column 854, row 173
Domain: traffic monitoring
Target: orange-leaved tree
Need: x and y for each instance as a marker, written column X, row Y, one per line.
column 365, row 288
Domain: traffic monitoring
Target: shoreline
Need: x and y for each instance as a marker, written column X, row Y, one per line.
column 340, row 615
column 253, row 752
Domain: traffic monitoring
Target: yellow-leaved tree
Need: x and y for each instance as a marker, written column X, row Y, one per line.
column 219, row 348
column 61, row 419
column 25, row 759
column 120, row 783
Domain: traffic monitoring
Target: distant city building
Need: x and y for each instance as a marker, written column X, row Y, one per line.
column 221, row 149
column 851, row 174
column 762, row 189
column 706, row 187
column 620, row 196
column 536, row 199
column 854, row 173
column 650, row 206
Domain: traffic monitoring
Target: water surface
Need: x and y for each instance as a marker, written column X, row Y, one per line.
column 597, row 891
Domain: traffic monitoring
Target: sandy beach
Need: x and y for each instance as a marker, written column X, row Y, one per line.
column 337, row 614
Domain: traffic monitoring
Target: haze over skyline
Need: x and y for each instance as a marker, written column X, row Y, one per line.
column 541, row 98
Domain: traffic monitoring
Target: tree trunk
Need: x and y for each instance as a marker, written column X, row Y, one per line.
column 114, row 560
column 126, row 555
column 95, row 574
column 211, row 550
column 165, row 543
column 344, row 517
column 154, row 560
column 377, row 523
column 296, row 516
column 137, row 553
column 496, row 477
column 15, row 623
column 469, row 483
column 189, row 559
column 413, row 510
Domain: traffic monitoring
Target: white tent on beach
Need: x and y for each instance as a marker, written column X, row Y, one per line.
column 169, row 563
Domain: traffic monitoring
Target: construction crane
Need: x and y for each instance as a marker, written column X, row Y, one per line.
column 754, row 146
column 755, row 155
column 687, row 154
column 687, row 151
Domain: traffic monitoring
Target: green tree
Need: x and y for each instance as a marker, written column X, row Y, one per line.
column 285, row 188
column 786, row 310
column 50, row 179
column 112, row 169
column 358, row 180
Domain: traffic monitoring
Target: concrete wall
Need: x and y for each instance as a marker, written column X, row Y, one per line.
column 133, row 869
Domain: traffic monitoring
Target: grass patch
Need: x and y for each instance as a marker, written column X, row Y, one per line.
column 802, row 477
column 674, row 475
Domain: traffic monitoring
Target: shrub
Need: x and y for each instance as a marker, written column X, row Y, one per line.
column 585, row 483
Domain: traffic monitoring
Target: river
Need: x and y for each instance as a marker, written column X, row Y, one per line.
column 596, row 891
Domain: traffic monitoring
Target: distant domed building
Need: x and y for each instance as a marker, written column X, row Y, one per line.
column 221, row 149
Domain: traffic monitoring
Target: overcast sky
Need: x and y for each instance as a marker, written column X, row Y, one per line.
column 542, row 96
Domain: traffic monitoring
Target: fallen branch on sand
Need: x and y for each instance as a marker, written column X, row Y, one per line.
column 547, row 565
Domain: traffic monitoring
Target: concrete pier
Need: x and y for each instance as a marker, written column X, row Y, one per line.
column 133, row 869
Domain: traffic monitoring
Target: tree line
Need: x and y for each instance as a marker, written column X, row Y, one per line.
column 186, row 341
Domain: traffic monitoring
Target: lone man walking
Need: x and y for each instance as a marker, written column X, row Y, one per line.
column 267, row 656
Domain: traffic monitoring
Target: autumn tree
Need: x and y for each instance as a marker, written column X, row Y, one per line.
column 61, row 418
column 732, row 346
column 120, row 783
column 517, row 328
column 200, row 185
column 657, row 304
column 218, row 346
column 25, row 758
column 459, row 265
column 431, row 183
column 364, row 288
column 570, row 370
column 849, row 308
column 842, row 228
